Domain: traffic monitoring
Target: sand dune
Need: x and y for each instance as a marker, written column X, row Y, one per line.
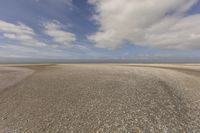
column 100, row 98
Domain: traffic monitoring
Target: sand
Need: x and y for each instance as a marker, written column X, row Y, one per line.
column 12, row 75
column 99, row 98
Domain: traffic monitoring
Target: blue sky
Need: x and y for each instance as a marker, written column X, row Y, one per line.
column 99, row 29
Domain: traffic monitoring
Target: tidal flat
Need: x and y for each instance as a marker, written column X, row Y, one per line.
column 99, row 98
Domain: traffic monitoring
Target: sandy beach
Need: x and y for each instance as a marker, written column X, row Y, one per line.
column 99, row 98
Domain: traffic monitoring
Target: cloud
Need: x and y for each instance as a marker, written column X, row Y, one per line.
column 150, row 23
column 25, row 35
column 20, row 33
column 13, row 50
column 55, row 30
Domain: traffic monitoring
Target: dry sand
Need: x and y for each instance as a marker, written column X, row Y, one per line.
column 99, row 98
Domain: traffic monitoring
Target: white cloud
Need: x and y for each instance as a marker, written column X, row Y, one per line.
column 59, row 35
column 12, row 50
column 152, row 23
column 20, row 33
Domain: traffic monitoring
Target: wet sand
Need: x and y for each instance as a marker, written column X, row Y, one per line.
column 99, row 98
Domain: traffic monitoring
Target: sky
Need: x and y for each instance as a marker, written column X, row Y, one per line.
column 99, row 29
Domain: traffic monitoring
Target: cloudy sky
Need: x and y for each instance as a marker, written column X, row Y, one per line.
column 99, row 29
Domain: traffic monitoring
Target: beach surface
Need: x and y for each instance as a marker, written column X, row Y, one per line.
column 102, row 98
